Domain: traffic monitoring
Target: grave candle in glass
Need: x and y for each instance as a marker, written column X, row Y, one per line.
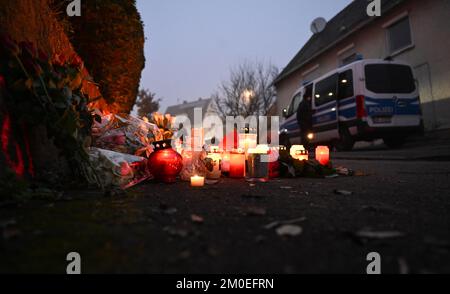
column 237, row 164
column 213, row 162
column 298, row 152
column 323, row 155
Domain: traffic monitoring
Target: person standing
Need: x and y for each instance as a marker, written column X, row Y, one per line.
column 304, row 118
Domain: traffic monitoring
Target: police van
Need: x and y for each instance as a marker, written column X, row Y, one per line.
column 362, row 101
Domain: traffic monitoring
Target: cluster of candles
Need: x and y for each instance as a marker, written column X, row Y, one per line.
column 300, row 153
column 246, row 160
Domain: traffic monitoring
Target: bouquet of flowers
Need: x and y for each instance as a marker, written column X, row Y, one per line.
column 165, row 124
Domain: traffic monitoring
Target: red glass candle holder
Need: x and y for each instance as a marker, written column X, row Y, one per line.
column 165, row 164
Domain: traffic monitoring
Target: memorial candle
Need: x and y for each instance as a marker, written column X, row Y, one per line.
column 237, row 164
column 323, row 155
column 226, row 162
column 247, row 141
column 213, row 162
column 298, row 152
column 197, row 181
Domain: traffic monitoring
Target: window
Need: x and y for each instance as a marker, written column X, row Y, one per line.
column 389, row 79
column 399, row 35
column 326, row 90
column 345, row 86
column 294, row 104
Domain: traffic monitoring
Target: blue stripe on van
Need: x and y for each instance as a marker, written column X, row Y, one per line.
column 324, row 118
column 403, row 106
column 326, row 106
column 347, row 101
column 348, row 113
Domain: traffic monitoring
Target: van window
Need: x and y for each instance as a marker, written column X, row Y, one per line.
column 345, row 84
column 325, row 90
column 294, row 104
column 389, row 79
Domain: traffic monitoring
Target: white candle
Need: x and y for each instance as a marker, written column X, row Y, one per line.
column 247, row 141
column 197, row 181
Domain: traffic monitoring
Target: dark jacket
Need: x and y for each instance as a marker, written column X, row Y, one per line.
column 304, row 115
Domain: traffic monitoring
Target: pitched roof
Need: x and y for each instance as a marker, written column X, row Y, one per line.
column 351, row 18
column 187, row 108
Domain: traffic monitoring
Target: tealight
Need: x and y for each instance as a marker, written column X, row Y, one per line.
column 197, row 181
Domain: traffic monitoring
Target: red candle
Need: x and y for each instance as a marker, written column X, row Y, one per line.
column 237, row 165
column 323, row 155
column 226, row 162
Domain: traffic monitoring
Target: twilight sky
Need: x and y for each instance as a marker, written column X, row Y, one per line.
column 192, row 44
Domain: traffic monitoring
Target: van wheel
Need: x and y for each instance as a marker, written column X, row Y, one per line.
column 394, row 142
column 345, row 142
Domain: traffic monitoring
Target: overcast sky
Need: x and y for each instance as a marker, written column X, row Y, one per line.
column 192, row 44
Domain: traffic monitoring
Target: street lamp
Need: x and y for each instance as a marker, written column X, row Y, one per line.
column 247, row 95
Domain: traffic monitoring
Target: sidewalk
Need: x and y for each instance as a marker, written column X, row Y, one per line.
column 432, row 146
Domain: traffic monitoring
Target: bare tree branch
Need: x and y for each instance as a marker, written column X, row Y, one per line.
column 249, row 90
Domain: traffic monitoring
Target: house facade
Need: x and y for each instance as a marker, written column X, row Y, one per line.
column 413, row 31
column 189, row 109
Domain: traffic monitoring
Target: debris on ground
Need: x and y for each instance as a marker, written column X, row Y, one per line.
column 343, row 192
column 344, row 171
column 168, row 209
column 333, row 176
column 285, row 187
column 285, row 222
column 292, row 168
column 211, row 182
column 289, row 230
column 252, row 196
column 175, row 232
column 256, row 180
column 380, row 209
column 197, row 219
column 379, row 235
column 256, row 211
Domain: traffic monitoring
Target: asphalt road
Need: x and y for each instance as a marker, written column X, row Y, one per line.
column 398, row 208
